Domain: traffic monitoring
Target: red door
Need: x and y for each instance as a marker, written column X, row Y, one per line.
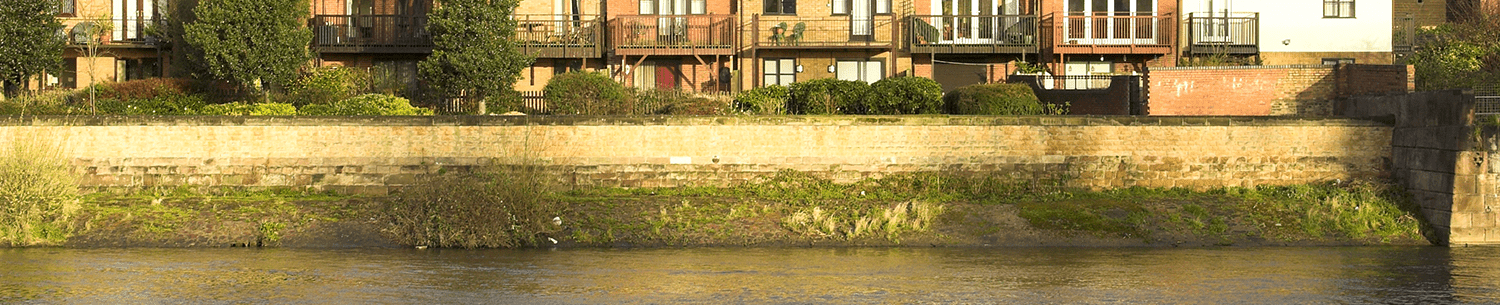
column 665, row 78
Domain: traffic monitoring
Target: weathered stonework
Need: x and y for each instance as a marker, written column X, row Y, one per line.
column 372, row 154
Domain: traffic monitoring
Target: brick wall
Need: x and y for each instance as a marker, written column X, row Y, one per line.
column 1267, row 90
column 373, row 154
column 1376, row 79
column 1424, row 12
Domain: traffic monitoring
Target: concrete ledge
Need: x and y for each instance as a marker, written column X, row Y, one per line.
column 915, row 120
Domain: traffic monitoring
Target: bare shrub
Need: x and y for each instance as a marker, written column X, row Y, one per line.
column 500, row 209
column 37, row 192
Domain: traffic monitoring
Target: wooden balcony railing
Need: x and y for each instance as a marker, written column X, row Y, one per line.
column 972, row 34
column 1232, row 33
column 560, row 36
column 1108, row 34
column 371, row 33
column 832, row 32
column 672, row 34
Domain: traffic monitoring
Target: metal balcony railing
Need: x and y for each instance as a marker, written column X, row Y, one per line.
column 371, row 33
column 1231, row 33
column 122, row 30
column 802, row 32
column 972, row 33
column 1114, row 30
column 560, row 36
column 672, row 34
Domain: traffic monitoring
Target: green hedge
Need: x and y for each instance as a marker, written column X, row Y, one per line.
column 905, row 95
column 828, row 96
column 368, row 104
column 282, row 109
column 589, row 93
column 167, row 103
column 994, row 99
column 327, row 85
column 768, row 100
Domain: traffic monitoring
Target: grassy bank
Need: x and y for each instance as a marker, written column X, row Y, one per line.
column 186, row 217
column 934, row 209
column 788, row 209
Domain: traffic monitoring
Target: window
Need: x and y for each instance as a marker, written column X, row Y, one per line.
column 674, row 7
column 788, row 7
column 866, row 70
column 1337, row 61
column 841, row 7
column 65, row 8
column 1338, row 8
column 780, row 71
column 698, row 7
column 133, row 69
column 394, row 75
column 560, row 66
column 65, row 78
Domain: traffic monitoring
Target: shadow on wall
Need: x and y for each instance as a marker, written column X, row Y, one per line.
column 1433, row 157
column 1089, row 94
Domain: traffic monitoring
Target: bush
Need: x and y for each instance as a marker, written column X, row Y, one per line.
column 249, row 109
column 582, row 92
column 486, row 210
column 37, row 192
column 326, row 85
column 53, row 102
column 140, row 89
column 650, row 101
column 168, row 103
column 671, row 102
column 905, row 95
column 770, row 100
column 828, row 96
column 697, row 106
column 993, row 99
column 368, row 104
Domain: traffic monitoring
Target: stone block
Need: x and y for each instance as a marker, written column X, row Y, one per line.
column 1468, row 204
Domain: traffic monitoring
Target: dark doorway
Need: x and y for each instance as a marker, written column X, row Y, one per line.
column 953, row 76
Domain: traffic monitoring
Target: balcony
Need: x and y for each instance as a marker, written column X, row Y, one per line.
column 672, row 34
column 1112, row 34
column 124, row 33
column 1232, row 33
column 560, row 36
column 972, row 34
column 371, row 34
column 832, row 32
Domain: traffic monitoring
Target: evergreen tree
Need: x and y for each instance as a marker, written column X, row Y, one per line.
column 474, row 53
column 249, row 42
column 30, row 41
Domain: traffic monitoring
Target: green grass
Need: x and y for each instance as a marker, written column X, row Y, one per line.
column 1361, row 210
column 161, row 212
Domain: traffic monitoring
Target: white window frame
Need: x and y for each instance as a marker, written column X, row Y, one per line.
column 778, row 71
column 867, row 70
column 1338, row 9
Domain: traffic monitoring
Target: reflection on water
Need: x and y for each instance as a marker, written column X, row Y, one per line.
column 738, row 275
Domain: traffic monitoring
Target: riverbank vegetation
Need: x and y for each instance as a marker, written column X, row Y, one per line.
column 520, row 207
column 38, row 194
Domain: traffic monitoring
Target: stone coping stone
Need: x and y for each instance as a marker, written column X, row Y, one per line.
column 574, row 120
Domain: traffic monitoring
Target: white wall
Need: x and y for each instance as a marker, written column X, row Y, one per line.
column 1301, row 23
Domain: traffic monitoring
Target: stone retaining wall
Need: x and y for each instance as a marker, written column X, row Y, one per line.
column 373, row 154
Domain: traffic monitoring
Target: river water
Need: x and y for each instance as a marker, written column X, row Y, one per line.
column 754, row 275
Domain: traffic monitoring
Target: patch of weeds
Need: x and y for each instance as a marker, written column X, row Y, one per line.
column 1357, row 209
column 853, row 223
column 1098, row 216
column 269, row 233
